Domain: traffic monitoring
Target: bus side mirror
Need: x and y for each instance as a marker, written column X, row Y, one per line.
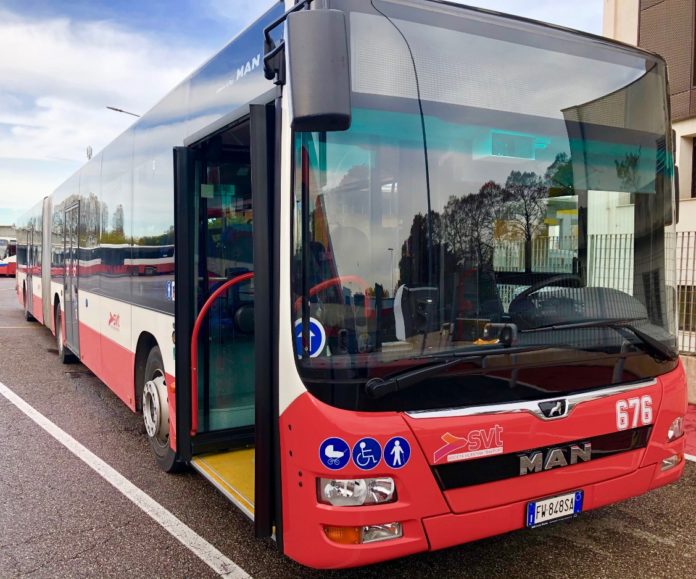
column 318, row 61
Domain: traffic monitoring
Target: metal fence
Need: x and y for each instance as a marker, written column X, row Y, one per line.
column 686, row 291
column 610, row 260
column 553, row 254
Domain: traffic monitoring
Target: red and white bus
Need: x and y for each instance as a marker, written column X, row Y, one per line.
column 392, row 275
column 8, row 256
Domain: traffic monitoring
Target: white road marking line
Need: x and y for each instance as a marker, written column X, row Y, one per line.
column 185, row 535
column 690, row 457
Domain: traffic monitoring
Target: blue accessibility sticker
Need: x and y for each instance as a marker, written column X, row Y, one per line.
column 397, row 451
column 334, row 453
column 367, row 453
column 317, row 338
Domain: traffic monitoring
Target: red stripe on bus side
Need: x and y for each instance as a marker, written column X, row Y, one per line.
column 37, row 305
column 115, row 366
column 112, row 363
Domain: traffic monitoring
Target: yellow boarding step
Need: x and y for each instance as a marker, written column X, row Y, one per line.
column 232, row 472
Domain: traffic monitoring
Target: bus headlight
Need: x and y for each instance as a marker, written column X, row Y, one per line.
column 356, row 492
column 676, row 429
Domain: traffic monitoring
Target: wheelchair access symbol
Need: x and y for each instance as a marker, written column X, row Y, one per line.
column 317, row 338
column 334, row 453
column 367, row 453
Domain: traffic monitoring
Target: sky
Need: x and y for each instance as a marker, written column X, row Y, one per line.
column 62, row 62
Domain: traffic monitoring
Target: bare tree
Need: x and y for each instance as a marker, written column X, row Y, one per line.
column 526, row 197
column 468, row 224
column 456, row 226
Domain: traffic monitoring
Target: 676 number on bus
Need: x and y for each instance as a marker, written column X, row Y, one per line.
column 632, row 411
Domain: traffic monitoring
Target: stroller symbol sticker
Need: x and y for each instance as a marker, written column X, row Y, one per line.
column 334, row 453
column 367, row 453
column 397, row 451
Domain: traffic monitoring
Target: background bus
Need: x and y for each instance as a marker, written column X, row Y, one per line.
column 8, row 256
column 390, row 325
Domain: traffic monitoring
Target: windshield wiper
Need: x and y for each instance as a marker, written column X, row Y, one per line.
column 652, row 345
column 379, row 387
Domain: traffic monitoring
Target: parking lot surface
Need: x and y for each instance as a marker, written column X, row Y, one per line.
column 58, row 517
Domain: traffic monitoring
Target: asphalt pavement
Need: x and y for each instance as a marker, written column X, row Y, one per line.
column 59, row 518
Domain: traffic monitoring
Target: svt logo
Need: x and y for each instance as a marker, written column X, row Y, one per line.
column 474, row 444
column 115, row 321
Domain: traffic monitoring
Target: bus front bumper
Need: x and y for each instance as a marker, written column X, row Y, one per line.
column 454, row 529
column 433, row 517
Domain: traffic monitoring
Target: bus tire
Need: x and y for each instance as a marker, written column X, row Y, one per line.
column 65, row 356
column 156, row 412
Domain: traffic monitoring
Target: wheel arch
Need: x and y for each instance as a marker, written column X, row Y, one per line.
column 146, row 341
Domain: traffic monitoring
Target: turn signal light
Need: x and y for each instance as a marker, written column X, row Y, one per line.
column 344, row 535
column 366, row 534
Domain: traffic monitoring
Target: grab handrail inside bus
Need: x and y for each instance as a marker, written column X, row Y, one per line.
column 194, row 343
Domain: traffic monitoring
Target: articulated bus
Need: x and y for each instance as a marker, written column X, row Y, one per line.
column 8, row 256
column 393, row 275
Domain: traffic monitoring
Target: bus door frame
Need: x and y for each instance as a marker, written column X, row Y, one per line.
column 29, row 282
column 71, row 279
column 264, row 120
column 46, row 262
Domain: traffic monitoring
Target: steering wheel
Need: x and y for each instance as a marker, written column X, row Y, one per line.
column 338, row 281
column 542, row 284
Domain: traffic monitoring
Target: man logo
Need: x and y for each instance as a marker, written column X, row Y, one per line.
column 554, row 408
column 555, row 457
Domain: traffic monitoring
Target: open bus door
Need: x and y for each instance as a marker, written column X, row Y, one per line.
column 226, row 377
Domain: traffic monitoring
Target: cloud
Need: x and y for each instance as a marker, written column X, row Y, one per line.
column 241, row 12
column 23, row 183
column 59, row 75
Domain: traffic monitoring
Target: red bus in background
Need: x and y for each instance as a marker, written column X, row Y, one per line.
column 8, row 256
column 392, row 275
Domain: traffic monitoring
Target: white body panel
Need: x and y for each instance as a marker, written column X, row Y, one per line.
column 291, row 385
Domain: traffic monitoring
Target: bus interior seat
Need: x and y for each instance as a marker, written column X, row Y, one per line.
column 415, row 311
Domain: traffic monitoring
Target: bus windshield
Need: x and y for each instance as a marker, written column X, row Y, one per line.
column 501, row 184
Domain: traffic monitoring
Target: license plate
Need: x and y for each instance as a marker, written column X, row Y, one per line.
column 554, row 509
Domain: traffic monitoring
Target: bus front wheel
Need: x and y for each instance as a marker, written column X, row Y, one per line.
column 156, row 412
